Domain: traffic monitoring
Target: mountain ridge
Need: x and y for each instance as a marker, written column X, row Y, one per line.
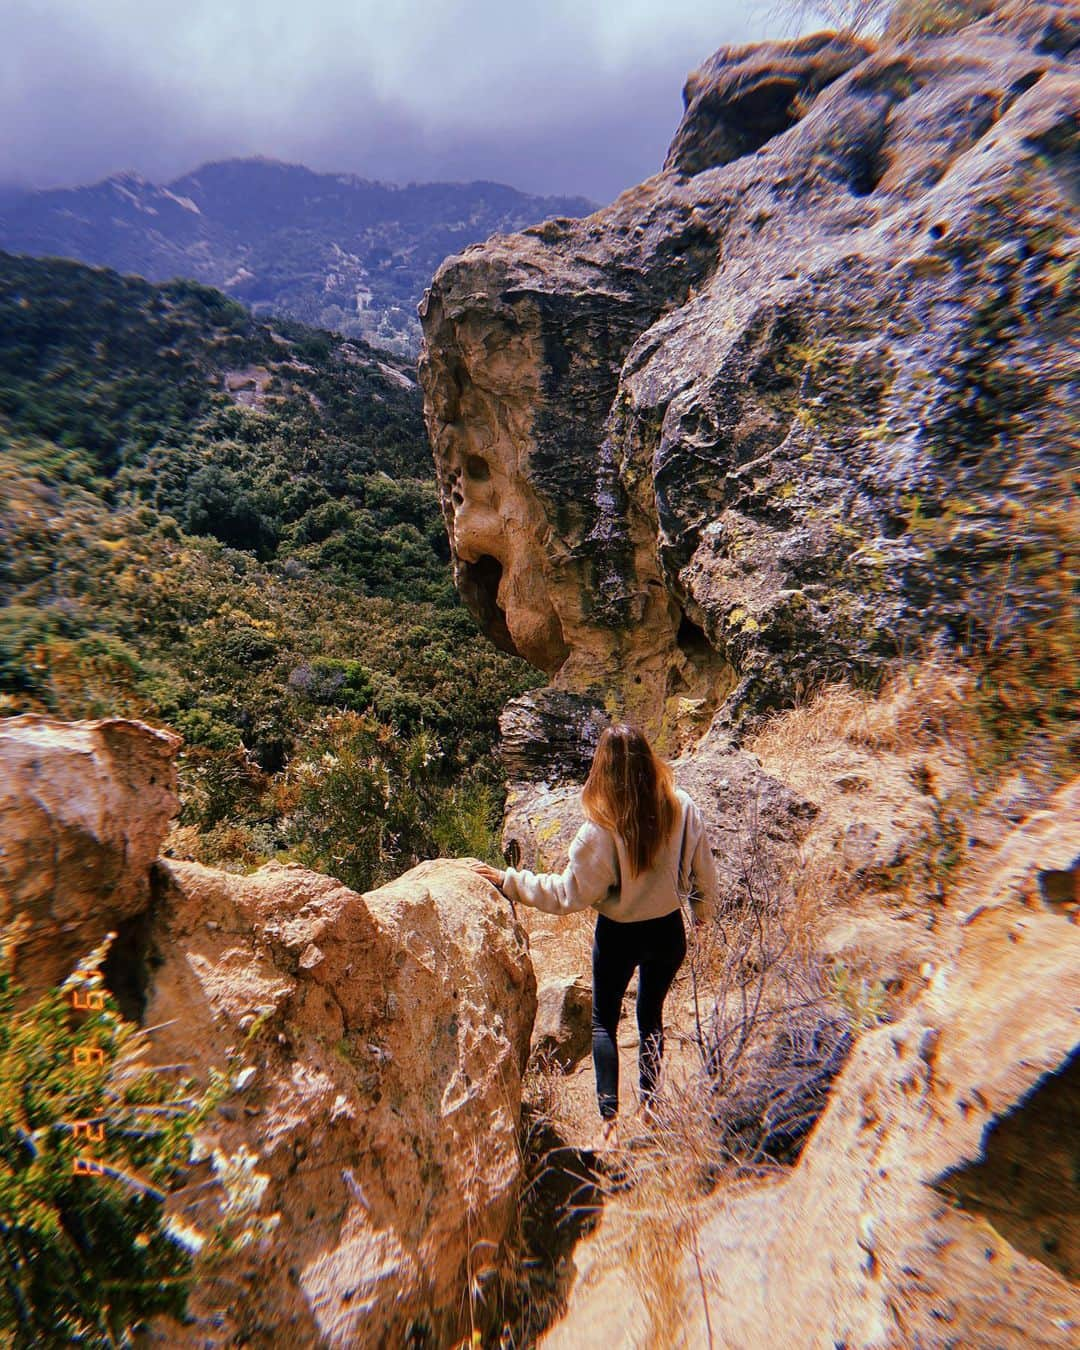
column 331, row 249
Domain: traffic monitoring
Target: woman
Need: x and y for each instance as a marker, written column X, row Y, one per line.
column 642, row 848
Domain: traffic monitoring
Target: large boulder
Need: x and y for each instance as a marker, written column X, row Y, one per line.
column 387, row 1033
column 84, row 807
column 794, row 404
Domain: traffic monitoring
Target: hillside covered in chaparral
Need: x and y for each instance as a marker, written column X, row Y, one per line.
column 774, row 456
column 231, row 529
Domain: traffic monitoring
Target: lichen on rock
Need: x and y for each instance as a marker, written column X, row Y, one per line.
column 794, row 404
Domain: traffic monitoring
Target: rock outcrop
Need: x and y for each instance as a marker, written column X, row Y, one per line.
column 795, row 403
column 374, row 1043
column 388, row 1033
column 84, row 807
column 562, row 1032
column 936, row 1202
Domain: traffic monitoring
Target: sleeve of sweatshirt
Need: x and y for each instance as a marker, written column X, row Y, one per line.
column 702, row 866
column 592, row 871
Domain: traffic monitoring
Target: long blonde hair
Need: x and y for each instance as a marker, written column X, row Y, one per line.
column 630, row 791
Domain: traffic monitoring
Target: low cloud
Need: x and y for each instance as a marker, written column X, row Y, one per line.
column 556, row 97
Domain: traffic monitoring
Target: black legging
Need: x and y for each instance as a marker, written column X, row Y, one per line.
column 657, row 947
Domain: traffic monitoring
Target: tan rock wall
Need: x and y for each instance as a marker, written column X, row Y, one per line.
column 388, row 1033
column 84, row 807
column 795, row 403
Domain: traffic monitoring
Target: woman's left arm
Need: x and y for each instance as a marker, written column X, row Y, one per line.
column 702, row 867
column 590, row 874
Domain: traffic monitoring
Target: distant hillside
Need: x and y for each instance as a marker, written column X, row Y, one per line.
column 329, row 249
column 277, row 440
column 233, row 529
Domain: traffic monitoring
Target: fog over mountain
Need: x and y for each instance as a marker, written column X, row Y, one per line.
column 563, row 97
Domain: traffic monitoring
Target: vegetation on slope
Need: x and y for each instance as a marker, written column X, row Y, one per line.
column 137, row 379
column 270, row 581
column 94, row 1141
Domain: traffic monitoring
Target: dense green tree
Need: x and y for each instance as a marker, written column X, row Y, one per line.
column 262, row 579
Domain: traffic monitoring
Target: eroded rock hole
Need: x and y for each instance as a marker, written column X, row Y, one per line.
column 478, row 583
column 768, row 110
column 1023, row 84
column 1060, row 889
column 129, row 966
column 1060, row 37
column 1027, row 1184
column 692, row 640
column 477, row 469
column 867, row 170
column 728, row 128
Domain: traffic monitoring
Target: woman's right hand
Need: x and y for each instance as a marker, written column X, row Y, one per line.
column 491, row 874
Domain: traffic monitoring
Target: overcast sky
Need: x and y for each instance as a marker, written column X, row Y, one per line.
column 557, row 96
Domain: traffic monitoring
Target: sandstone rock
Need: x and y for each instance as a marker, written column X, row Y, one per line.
column 84, row 807
column 795, row 403
column 880, row 948
column 744, row 96
column 936, row 1202
column 754, row 821
column 539, row 823
column 562, row 1032
column 389, row 1032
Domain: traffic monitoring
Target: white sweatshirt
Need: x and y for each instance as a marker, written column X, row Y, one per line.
column 598, row 874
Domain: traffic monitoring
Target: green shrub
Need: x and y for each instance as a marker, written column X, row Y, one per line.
column 355, row 803
column 864, row 1000
column 88, row 1258
column 467, row 822
column 364, row 802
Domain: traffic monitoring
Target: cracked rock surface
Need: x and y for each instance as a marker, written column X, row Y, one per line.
column 390, row 1034
column 791, row 406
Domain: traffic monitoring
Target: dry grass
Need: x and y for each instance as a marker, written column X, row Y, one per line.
column 891, row 773
column 561, row 944
column 918, row 707
column 656, row 1229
